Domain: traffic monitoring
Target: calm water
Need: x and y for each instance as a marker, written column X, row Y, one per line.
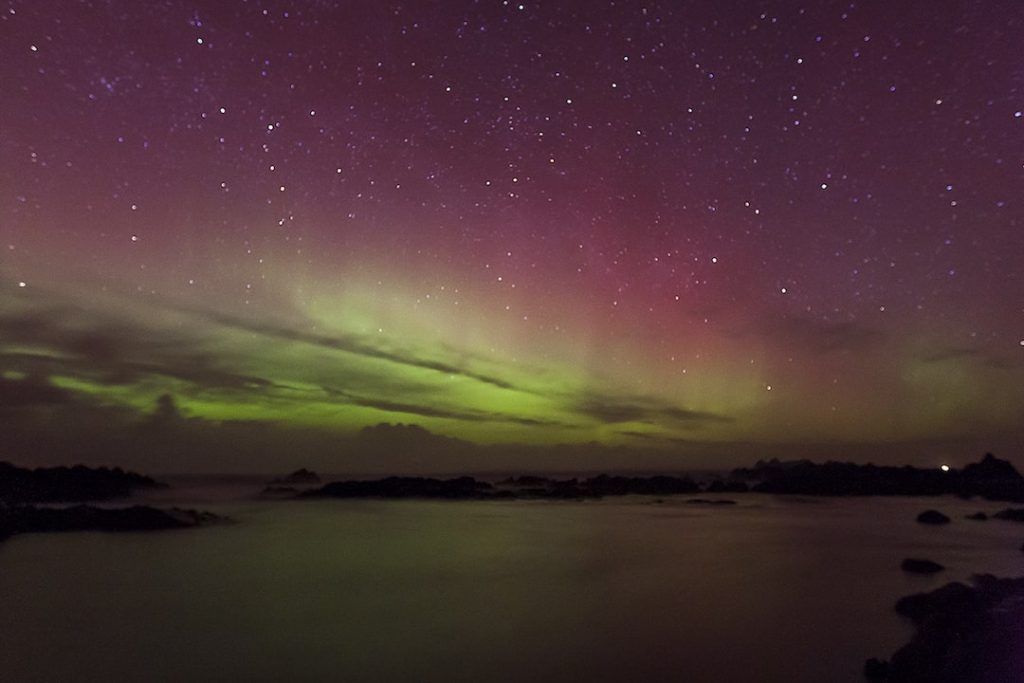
column 772, row 590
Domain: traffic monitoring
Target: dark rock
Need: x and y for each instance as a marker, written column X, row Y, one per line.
column 524, row 487
column 69, row 484
column 991, row 478
column 978, row 516
column 526, row 480
column 1011, row 514
column 720, row 486
column 710, row 501
column 917, row 566
column 932, row 517
column 964, row 635
column 460, row 488
column 30, row 519
column 604, row 485
column 876, row 670
column 300, row 476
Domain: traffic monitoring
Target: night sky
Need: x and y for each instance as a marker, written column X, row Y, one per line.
column 683, row 233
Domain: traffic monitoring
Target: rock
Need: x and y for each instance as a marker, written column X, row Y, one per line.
column 1011, row 514
column 69, row 484
column 932, row 517
column 991, row 478
column 917, row 566
column 300, row 476
column 978, row 516
column 527, row 480
column 710, row 501
column 535, row 487
column 30, row 519
column 731, row 486
column 876, row 670
column 461, row 488
column 964, row 634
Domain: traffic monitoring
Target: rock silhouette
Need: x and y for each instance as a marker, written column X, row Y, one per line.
column 932, row 517
column 31, row 519
column 964, row 634
column 464, row 488
column 989, row 478
column 1010, row 514
column 918, row 566
column 69, row 484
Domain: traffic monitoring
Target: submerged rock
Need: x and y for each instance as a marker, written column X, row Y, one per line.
column 918, row 566
column 932, row 517
column 978, row 516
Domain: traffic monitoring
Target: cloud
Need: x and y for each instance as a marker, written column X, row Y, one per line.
column 348, row 344
column 31, row 392
column 432, row 411
column 612, row 411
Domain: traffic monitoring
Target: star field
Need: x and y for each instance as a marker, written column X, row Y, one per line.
column 642, row 224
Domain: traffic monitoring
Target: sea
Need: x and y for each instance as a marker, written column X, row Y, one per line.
column 774, row 588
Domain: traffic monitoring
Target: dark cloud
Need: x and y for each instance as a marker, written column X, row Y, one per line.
column 349, row 344
column 433, row 411
column 612, row 411
column 31, row 392
column 101, row 356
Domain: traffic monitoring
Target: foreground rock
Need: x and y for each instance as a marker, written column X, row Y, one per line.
column 978, row 517
column 69, row 484
column 932, row 517
column 964, row 635
column 990, row 478
column 918, row 566
column 30, row 519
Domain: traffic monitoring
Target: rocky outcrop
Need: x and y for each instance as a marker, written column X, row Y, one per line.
column 23, row 519
column 990, row 478
column 529, row 487
column 932, row 517
column 69, row 484
column 1010, row 514
column 919, row 566
column 964, row 634
column 461, row 488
